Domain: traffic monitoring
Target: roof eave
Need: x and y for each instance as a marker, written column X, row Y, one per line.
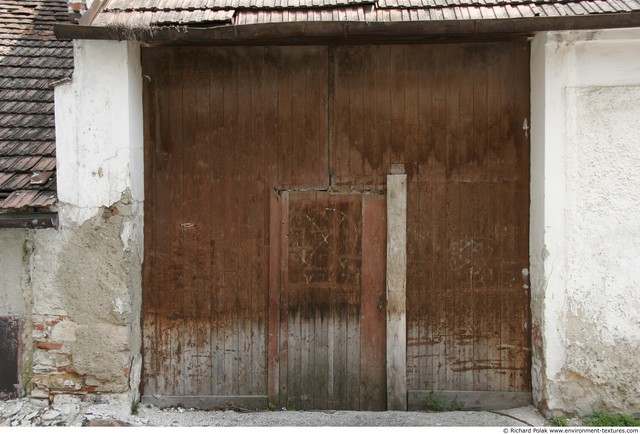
column 310, row 32
column 28, row 220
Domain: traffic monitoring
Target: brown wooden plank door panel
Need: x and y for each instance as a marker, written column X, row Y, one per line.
column 332, row 327
column 265, row 239
column 224, row 128
column 467, row 221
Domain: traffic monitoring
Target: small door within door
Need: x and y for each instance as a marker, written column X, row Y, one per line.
column 332, row 347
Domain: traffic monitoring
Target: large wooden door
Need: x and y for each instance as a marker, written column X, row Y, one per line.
column 223, row 127
column 332, row 322
column 457, row 117
column 243, row 146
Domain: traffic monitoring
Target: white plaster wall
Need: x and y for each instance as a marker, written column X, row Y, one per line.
column 87, row 274
column 99, row 128
column 585, row 230
column 12, row 264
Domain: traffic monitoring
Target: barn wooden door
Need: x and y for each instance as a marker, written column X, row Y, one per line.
column 332, row 306
column 457, row 117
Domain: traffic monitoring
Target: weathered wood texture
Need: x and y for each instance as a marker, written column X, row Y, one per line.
column 229, row 128
column 454, row 115
column 331, row 361
column 223, row 127
column 397, row 292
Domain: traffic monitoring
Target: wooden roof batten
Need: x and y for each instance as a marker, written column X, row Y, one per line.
column 312, row 21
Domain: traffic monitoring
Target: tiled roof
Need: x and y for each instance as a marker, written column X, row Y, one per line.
column 31, row 60
column 160, row 13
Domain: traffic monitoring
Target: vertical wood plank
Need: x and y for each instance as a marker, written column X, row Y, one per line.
column 285, row 118
column 355, row 89
column 370, row 153
column 284, row 303
column 229, row 319
column 150, row 265
column 258, row 211
column 522, row 168
column 411, row 137
column 177, row 280
column 396, row 292
column 218, row 320
column 373, row 346
column 203, row 185
column 316, row 117
column 398, row 90
column 299, row 150
column 349, row 229
column 245, row 229
column 194, row 158
column 275, row 237
column 165, row 221
column 381, row 148
column 340, row 103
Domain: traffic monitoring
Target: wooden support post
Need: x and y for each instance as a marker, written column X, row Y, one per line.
column 397, row 288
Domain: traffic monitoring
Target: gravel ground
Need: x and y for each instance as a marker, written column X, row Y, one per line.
column 74, row 411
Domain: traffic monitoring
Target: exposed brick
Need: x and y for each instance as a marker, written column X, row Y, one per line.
column 89, row 389
column 49, row 345
column 38, row 326
column 68, row 368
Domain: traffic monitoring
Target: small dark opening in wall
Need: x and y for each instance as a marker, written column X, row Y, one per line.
column 9, row 356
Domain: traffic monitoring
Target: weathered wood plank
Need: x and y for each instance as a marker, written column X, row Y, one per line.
column 202, row 252
column 284, row 303
column 319, row 312
column 316, row 117
column 349, row 222
column 166, row 227
column 339, row 134
column 354, row 82
column 150, row 289
column 381, row 147
column 397, row 92
column 246, row 230
column 456, row 251
column 176, row 278
column 229, row 320
column 273, row 339
column 193, row 158
column 298, row 145
column 373, row 396
column 416, row 303
column 218, row 320
column 464, row 306
column 396, row 291
column 411, row 137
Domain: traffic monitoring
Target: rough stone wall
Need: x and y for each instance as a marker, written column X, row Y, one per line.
column 585, row 245
column 86, row 275
column 83, row 312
